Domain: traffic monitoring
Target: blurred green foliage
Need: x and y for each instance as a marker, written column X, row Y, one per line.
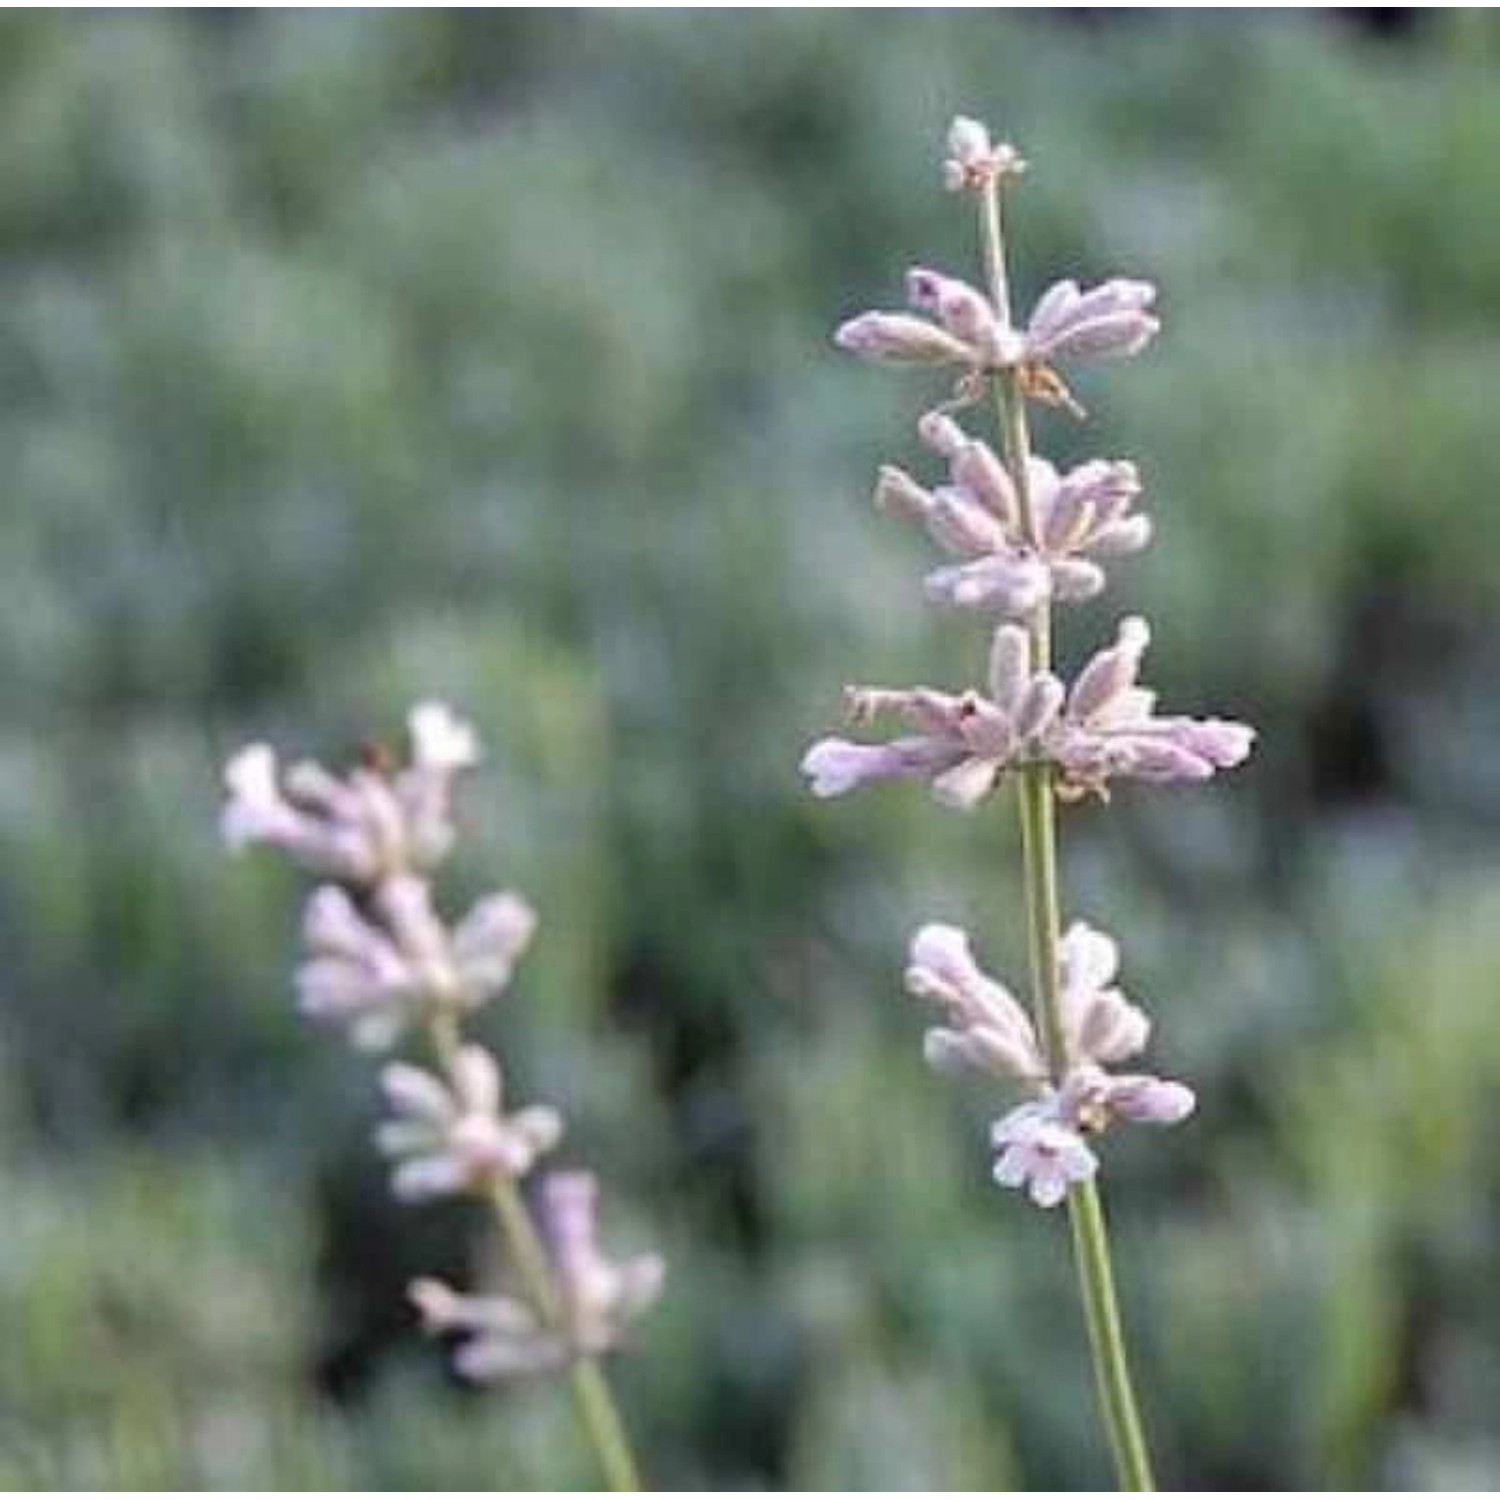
column 353, row 358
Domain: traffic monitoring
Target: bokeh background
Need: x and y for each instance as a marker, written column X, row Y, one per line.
column 349, row 359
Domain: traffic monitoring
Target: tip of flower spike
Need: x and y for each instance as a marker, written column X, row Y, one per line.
column 974, row 159
column 441, row 741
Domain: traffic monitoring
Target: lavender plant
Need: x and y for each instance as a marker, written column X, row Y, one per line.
column 1027, row 538
column 382, row 962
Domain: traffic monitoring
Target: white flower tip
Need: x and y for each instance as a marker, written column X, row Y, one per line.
column 441, row 741
column 438, row 1305
column 255, row 803
column 833, row 767
column 940, row 946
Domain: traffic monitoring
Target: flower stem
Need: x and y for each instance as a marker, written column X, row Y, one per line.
column 1039, row 854
column 591, row 1393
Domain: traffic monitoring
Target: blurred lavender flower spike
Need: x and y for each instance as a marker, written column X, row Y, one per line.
column 503, row 1335
column 987, row 1029
column 974, row 160
column 601, row 1297
column 1040, row 1154
column 1109, row 727
column 1080, row 517
column 453, row 1137
column 363, row 826
column 965, row 742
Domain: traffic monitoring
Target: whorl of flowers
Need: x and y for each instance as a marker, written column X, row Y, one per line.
column 380, row 962
column 1024, row 537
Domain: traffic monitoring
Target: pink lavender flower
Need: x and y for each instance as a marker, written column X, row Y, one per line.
column 1107, row 322
column 502, row 1336
column 1079, row 518
column 355, row 976
column 601, row 1296
column 453, row 1137
column 375, row 978
column 900, row 339
column 987, row 1029
column 1040, row 1154
column 1109, row 727
column 965, row 742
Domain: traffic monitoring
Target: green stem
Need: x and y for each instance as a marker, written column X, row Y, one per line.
column 591, row 1393
column 1039, row 853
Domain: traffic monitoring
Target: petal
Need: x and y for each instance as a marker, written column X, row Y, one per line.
column 417, row 1094
column 440, row 740
column 1110, row 672
column 896, row 338
column 1088, row 958
column 476, row 1080
column 421, row 1178
column 967, row 784
column 1152, row 1101
column 1009, row 667
column 975, row 467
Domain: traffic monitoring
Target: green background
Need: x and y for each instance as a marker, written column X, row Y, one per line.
column 349, row 359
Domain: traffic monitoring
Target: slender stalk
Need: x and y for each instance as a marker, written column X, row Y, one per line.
column 1039, row 854
column 597, row 1410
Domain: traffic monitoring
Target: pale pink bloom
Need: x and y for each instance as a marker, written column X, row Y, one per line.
column 601, row 1296
column 258, row 811
column 1040, row 1154
column 354, row 976
column 1109, row 727
column 900, row 339
column 1110, row 321
column 503, row 1336
column 1100, row 1023
column 1079, row 519
column 453, row 1136
column 964, row 742
column 987, row 1029
column 361, row 827
column 1090, row 1097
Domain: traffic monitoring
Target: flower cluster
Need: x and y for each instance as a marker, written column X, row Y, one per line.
column 1105, row 725
column 1079, row 518
column 1043, row 1143
column 381, row 961
column 1024, row 537
column 965, row 330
